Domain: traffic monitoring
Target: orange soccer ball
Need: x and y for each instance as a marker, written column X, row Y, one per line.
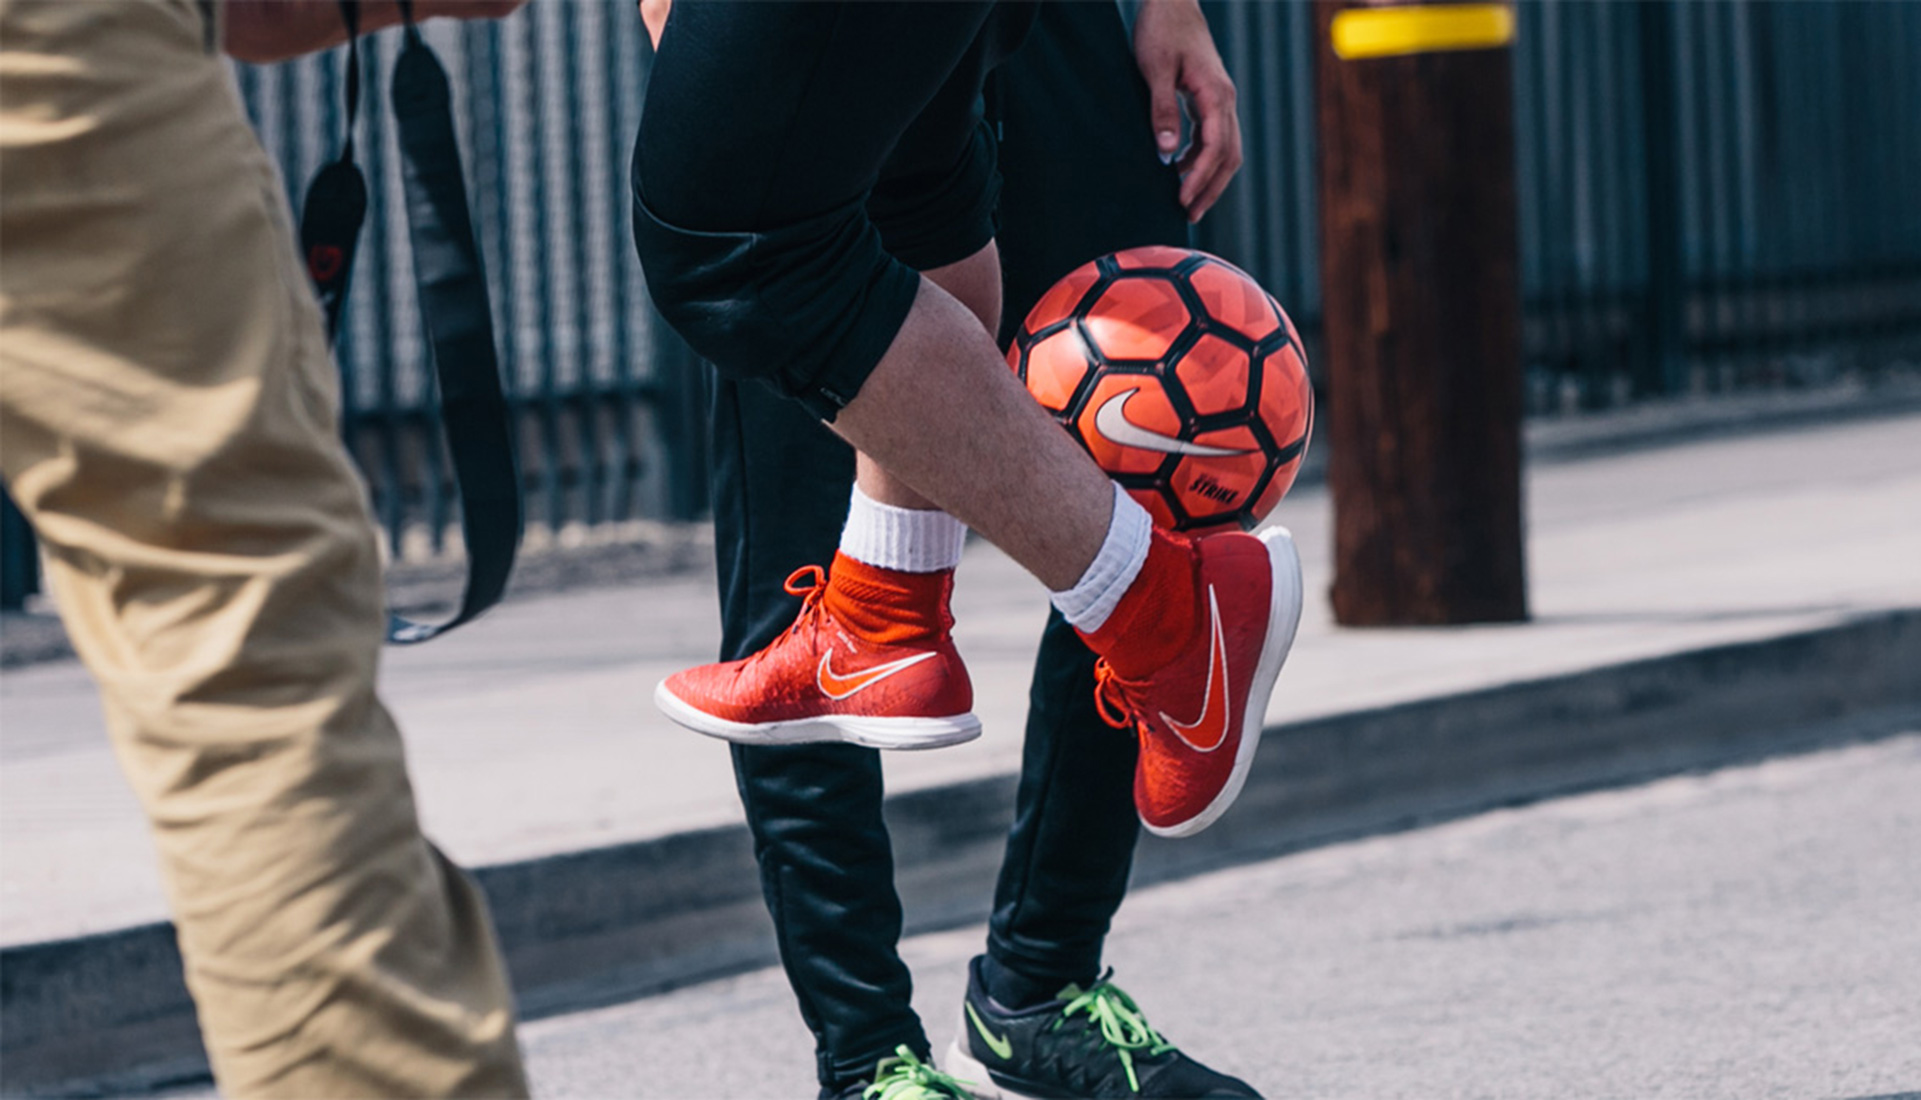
column 1180, row 375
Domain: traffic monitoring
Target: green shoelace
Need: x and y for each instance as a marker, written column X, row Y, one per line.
column 905, row 1077
column 1123, row 1026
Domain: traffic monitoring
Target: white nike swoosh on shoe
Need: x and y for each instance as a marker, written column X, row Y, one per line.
column 1208, row 731
column 835, row 686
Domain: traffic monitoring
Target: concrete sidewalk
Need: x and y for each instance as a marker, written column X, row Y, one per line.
column 531, row 734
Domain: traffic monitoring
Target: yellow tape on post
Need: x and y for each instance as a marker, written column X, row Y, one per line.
column 1420, row 28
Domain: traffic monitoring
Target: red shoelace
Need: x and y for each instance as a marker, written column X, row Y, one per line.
column 1110, row 696
column 808, row 582
column 812, row 589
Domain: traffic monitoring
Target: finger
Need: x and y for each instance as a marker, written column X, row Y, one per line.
column 653, row 16
column 1211, row 163
column 1228, row 128
column 1164, row 108
column 1231, row 160
column 1198, row 169
column 1215, row 187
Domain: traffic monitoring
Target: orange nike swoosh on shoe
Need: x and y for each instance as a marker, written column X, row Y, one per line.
column 836, row 686
column 1207, row 732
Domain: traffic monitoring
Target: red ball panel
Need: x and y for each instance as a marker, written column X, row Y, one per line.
column 1270, row 497
column 1235, row 299
column 1287, row 397
column 1156, row 504
column 1136, row 318
column 1214, row 375
column 1055, row 368
column 1287, row 407
column 1219, row 485
column 1292, row 336
column 1147, row 409
column 1153, row 255
column 1059, row 301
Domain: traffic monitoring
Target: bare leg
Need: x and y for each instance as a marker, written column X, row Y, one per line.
column 942, row 413
column 976, row 283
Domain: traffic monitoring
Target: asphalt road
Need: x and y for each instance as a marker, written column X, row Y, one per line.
column 1746, row 934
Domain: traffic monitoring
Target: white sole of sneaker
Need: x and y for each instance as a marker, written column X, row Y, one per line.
column 898, row 734
column 1283, row 620
column 980, row 1085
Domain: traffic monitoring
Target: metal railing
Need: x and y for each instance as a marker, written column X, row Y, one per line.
column 1714, row 195
column 546, row 105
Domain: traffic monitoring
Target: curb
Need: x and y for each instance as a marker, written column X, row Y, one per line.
column 1681, row 420
column 109, row 1014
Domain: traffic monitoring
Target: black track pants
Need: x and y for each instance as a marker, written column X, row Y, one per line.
column 1081, row 178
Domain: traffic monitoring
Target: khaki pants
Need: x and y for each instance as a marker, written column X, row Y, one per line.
column 168, row 424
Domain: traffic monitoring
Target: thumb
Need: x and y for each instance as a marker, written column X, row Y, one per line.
column 1164, row 110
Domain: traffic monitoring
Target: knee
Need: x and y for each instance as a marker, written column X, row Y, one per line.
column 809, row 306
column 704, row 284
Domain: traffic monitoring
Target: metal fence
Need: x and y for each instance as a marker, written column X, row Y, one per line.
column 546, row 106
column 1714, row 194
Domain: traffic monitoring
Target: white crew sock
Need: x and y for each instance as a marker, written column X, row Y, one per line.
column 1093, row 598
column 908, row 540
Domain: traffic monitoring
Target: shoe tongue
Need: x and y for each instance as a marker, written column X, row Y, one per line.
column 1074, row 989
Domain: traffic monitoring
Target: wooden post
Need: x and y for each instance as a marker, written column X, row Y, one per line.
column 1422, row 314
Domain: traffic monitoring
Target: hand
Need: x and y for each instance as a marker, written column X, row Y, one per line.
column 1176, row 55
column 653, row 15
column 275, row 30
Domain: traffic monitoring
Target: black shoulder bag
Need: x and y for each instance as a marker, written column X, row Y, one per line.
column 453, row 302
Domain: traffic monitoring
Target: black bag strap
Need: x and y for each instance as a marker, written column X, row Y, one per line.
column 337, row 199
column 453, row 302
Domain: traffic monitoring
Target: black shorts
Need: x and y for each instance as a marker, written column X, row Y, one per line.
column 799, row 163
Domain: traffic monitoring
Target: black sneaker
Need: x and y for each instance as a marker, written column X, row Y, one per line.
column 902, row 1076
column 1089, row 1044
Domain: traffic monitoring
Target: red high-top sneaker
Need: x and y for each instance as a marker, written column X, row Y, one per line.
column 870, row 661
column 1203, row 634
